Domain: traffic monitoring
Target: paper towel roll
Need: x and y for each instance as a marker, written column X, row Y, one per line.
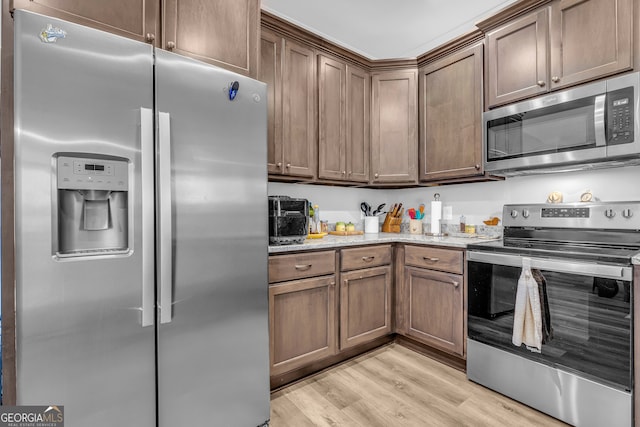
column 436, row 216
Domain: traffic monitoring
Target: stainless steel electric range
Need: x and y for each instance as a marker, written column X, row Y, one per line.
column 584, row 372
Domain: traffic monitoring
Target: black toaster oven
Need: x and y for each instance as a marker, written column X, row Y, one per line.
column 288, row 220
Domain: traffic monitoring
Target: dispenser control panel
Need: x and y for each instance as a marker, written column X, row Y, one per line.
column 82, row 173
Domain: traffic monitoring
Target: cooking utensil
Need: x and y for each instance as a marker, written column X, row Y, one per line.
column 421, row 209
column 365, row 208
column 379, row 208
column 412, row 213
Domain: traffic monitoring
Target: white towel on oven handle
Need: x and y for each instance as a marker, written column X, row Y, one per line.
column 527, row 315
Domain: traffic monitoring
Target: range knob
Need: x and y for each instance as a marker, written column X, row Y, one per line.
column 627, row 213
column 514, row 213
column 525, row 213
column 609, row 213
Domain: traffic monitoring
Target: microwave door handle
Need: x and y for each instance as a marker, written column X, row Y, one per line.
column 165, row 275
column 146, row 172
column 598, row 120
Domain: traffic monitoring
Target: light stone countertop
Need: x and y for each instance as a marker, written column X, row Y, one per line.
column 337, row 242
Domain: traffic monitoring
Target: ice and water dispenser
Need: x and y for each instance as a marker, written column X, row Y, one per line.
column 92, row 205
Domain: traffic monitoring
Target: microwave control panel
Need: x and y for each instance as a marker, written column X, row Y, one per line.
column 620, row 116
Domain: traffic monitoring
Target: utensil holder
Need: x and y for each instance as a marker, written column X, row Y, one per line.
column 371, row 224
column 391, row 225
column 415, row 226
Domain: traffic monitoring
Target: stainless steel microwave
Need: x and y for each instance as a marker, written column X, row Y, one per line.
column 590, row 126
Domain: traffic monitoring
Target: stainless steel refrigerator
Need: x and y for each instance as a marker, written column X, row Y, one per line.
column 141, row 232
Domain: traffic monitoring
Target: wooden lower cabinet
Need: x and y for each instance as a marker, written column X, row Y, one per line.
column 365, row 305
column 302, row 322
column 434, row 308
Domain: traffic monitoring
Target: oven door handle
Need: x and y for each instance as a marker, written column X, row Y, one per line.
column 617, row 272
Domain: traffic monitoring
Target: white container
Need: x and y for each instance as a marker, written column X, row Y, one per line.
column 415, row 226
column 371, row 224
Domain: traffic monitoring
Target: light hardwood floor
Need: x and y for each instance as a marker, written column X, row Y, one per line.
column 395, row 386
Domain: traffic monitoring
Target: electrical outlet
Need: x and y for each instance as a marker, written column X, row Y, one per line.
column 447, row 212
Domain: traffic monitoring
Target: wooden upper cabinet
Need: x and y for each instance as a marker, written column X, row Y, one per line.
column 134, row 19
column 343, row 121
column 299, row 111
column 358, row 124
column 221, row 32
column 288, row 69
column 568, row 42
column 332, row 119
column 270, row 73
column 451, row 105
column 590, row 39
column 517, row 59
column 394, row 127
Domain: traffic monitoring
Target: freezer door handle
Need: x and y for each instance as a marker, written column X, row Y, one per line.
column 146, row 172
column 165, row 272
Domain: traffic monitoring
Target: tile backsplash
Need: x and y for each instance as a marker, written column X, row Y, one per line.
column 476, row 201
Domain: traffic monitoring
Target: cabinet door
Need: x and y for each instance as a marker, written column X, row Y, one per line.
column 332, row 119
column 451, row 116
column 271, row 74
column 365, row 305
column 298, row 110
column 590, row 39
column 134, row 19
column 220, row 32
column 434, row 309
column 358, row 124
column 394, row 127
column 517, row 59
column 302, row 325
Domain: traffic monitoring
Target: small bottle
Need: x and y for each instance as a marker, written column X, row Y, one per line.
column 316, row 219
column 462, row 224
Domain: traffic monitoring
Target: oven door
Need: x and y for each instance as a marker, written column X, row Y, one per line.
column 590, row 314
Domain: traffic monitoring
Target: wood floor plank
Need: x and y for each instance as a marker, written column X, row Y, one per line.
column 321, row 411
column 395, row 386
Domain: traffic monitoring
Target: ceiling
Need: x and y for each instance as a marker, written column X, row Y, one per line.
column 385, row 29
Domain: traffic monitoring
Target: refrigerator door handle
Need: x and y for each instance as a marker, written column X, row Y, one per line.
column 164, row 209
column 146, row 147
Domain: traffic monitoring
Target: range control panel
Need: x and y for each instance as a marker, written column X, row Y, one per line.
column 85, row 173
column 565, row 212
column 594, row 215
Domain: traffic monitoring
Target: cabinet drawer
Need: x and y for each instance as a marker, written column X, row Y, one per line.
column 372, row 256
column 299, row 266
column 434, row 258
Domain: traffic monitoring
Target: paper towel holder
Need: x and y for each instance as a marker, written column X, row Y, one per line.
column 436, row 216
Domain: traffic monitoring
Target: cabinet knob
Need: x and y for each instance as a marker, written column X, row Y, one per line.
column 541, row 83
column 555, row 79
column 350, row 173
column 455, row 284
column 376, row 175
column 477, row 167
column 150, row 37
column 368, row 258
column 171, row 45
column 344, row 172
column 279, row 165
column 288, row 165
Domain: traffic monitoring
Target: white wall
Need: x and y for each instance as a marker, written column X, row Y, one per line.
column 477, row 201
